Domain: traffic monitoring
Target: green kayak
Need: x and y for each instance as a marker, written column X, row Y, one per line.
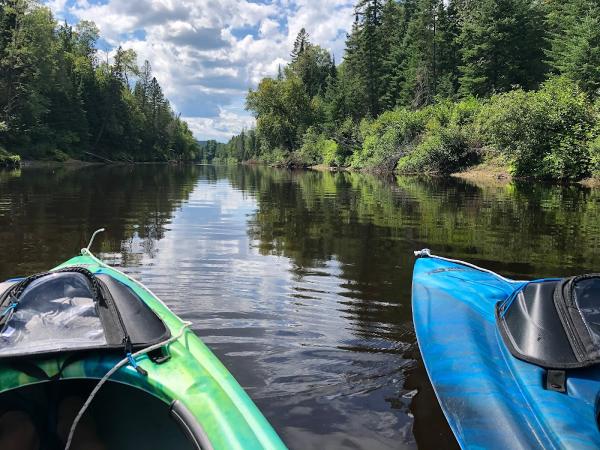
column 88, row 331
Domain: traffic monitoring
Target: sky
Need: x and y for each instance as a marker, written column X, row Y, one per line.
column 206, row 54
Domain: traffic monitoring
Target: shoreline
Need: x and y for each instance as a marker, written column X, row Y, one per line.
column 488, row 174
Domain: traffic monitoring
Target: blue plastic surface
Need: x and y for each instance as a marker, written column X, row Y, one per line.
column 491, row 399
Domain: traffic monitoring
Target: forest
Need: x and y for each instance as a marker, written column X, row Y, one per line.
column 438, row 86
column 60, row 100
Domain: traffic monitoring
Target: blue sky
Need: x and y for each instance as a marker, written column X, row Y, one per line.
column 207, row 53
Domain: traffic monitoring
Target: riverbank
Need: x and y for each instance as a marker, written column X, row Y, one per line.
column 49, row 164
column 491, row 172
column 8, row 160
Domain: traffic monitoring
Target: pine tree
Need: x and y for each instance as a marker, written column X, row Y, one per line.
column 420, row 64
column 301, row 44
column 393, row 29
column 574, row 41
column 371, row 50
column 351, row 97
column 502, row 46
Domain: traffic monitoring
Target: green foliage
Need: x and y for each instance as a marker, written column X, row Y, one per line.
column 9, row 161
column 434, row 139
column 349, row 140
column 574, row 29
column 317, row 149
column 310, row 152
column 442, row 151
column 543, row 133
column 57, row 100
column 388, row 138
column 311, row 64
column 502, row 46
column 594, row 149
column 283, row 111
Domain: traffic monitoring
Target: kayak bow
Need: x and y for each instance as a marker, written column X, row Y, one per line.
column 490, row 397
column 197, row 391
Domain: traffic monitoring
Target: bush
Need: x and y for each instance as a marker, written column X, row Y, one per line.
column 543, row 133
column 349, row 140
column 443, row 151
column 273, row 156
column 8, row 160
column 309, row 153
column 317, row 149
column 331, row 153
column 388, row 138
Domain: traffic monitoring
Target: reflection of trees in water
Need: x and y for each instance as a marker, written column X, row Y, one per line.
column 47, row 215
column 359, row 219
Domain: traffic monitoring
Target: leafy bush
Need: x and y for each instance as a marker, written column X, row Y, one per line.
column 310, row 153
column 443, row 150
column 348, row 139
column 388, row 137
column 317, row 149
column 8, row 160
column 543, row 133
column 331, row 153
column 272, row 156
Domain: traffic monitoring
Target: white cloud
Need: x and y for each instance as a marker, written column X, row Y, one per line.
column 221, row 127
column 207, row 53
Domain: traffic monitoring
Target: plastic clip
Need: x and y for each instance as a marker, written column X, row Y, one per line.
column 135, row 365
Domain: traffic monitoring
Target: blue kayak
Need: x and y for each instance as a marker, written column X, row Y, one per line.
column 511, row 367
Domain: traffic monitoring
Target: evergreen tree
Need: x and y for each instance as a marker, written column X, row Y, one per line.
column 574, row 40
column 313, row 66
column 502, row 46
column 393, row 29
column 370, row 43
column 420, row 64
column 301, row 44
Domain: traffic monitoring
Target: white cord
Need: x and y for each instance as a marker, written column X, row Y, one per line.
column 111, row 372
column 100, row 230
column 427, row 253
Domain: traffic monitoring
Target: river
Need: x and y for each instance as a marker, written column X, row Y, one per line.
column 300, row 281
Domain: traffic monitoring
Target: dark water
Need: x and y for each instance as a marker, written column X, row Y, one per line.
column 300, row 282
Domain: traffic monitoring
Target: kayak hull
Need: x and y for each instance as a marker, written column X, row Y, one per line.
column 491, row 399
column 192, row 375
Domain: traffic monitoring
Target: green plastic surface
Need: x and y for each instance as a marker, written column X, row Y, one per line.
column 193, row 375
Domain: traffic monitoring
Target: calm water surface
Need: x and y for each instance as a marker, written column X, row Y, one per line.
column 300, row 281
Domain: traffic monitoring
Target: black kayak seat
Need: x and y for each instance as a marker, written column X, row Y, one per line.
column 554, row 323
column 532, row 329
column 143, row 325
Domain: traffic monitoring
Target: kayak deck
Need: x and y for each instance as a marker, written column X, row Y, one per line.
column 490, row 398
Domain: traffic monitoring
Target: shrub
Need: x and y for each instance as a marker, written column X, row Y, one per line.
column 309, row 153
column 447, row 144
column 543, row 133
column 273, row 156
column 443, row 150
column 317, row 149
column 331, row 153
column 349, row 140
column 388, row 137
column 8, row 160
